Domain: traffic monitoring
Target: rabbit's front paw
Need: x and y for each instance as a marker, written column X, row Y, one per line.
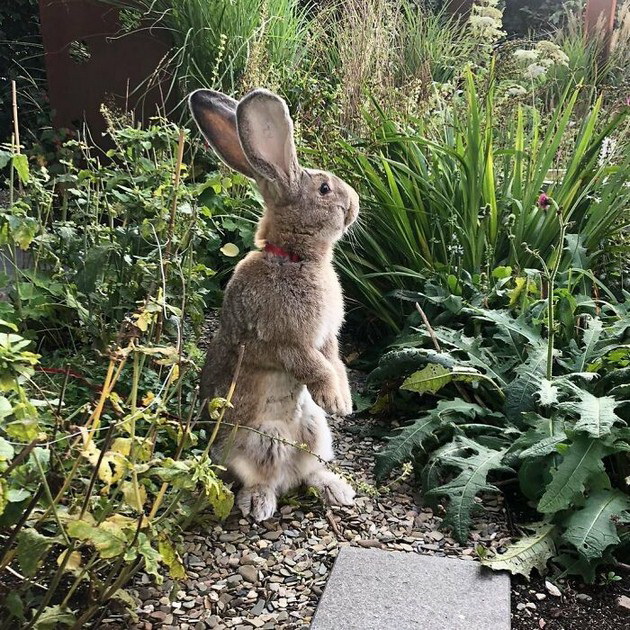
column 328, row 397
column 259, row 501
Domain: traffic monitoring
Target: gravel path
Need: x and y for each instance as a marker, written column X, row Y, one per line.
column 271, row 575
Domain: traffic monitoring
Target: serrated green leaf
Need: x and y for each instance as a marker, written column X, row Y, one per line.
column 544, row 447
column 151, row 557
column 472, row 480
column 596, row 415
column 592, row 528
column 401, row 446
column 527, row 553
column 582, row 460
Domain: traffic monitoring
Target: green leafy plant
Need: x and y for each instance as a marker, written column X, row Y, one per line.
column 515, row 403
column 87, row 244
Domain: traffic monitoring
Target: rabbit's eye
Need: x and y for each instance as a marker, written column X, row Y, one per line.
column 324, row 189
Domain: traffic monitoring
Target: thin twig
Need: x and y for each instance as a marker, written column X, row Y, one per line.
column 436, row 345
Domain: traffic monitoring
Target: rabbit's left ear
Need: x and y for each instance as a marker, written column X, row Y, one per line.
column 265, row 130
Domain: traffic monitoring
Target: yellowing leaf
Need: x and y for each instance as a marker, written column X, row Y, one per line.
column 122, row 446
column 230, row 250
column 74, row 560
column 172, row 560
column 148, row 399
column 108, row 538
column 174, row 374
column 136, row 498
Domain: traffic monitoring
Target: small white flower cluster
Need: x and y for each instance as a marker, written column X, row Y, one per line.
column 486, row 21
column 541, row 58
column 607, row 149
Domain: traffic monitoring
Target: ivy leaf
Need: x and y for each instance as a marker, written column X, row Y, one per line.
column 31, row 550
column 582, row 460
column 400, row 448
column 472, row 480
column 54, row 616
column 596, row 415
column 527, row 553
column 433, row 377
column 592, row 528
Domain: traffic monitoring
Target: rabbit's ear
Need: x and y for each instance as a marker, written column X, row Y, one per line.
column 265, row 129
column 215, row 115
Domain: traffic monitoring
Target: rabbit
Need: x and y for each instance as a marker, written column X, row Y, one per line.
column 284, row 303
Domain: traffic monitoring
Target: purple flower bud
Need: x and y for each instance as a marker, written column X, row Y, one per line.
column 543, row 201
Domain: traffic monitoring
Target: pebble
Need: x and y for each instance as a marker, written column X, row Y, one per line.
column 249, row 573
column 623, row 604
column 552, row 589
column 271, row 575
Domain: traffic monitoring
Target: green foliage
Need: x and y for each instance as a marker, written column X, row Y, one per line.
column 103, row 459
column 559, row 425
column 458, row 195
column 97, row 235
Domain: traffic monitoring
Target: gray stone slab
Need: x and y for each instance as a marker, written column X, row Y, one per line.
column 372, row 589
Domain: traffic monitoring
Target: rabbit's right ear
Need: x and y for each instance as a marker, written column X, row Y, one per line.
column 215, row 115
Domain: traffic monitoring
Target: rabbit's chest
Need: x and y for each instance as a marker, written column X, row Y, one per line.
column 330, row 313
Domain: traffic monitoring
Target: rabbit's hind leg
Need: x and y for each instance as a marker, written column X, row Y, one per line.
column 262, row 461
column 315, row 433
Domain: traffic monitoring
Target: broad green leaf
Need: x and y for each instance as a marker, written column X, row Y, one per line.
column 592, row 528
column 19, row 162
column 108, row 538
column 472, row 480
column 6, row 409
column 596, row 415
column 54, row 616
column 433, row 377
column 32, row 548
column 582, row 460
column 14, row 604
column 527, row 553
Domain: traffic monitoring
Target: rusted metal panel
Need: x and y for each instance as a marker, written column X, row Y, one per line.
column 599, row 18
column 88, row 62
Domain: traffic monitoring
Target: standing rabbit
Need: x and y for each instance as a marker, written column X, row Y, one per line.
column 284, row 304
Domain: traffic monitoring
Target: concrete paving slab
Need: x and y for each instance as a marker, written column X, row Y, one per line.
column 372, row 589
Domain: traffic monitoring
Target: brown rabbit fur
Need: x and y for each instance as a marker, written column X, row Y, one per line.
column 284, row 304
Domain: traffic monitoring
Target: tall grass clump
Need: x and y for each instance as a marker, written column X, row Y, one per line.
column 461, row 196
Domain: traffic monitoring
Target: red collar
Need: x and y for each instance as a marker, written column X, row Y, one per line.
column 274, row 250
